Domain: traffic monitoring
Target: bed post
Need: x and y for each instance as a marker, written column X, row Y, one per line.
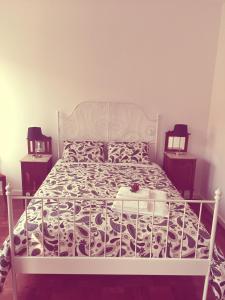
column 156, row 136
column 11, row 236
column 58, row 135
column 217, row 198
column 108, row 120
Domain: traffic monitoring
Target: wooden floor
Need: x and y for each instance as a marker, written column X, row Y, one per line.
column 88, row 287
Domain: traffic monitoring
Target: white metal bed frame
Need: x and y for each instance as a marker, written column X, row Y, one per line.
column 114, row 265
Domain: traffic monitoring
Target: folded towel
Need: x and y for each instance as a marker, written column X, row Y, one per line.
column 145, row 207
column 161, row 209
column 130, row 206
column 125, row 192
column 158, row 194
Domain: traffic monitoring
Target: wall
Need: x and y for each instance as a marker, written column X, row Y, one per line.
column 216, row 130
column 160, row 54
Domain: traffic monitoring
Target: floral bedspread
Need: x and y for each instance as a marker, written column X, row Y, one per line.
column 85, row 227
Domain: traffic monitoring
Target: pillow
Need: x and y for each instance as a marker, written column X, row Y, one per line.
column 128, row 152
column 84, row 151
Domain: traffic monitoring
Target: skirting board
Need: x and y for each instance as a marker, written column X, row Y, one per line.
column 14, row 192
column 17, row 192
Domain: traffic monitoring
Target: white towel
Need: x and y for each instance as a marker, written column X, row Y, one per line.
column 131, row 206
column 125, row 192
column 161, row 208
column 145, row 207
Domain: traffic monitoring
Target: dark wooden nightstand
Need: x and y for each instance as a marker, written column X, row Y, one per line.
column 180, row 168
column 33, row 172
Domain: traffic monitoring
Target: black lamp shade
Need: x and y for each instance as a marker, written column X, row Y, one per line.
column 34, row 133
column 180, row 130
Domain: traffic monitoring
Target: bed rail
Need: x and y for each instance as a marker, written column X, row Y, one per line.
column 120, row 264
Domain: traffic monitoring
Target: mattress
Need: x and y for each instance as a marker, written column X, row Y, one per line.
column 98, row 230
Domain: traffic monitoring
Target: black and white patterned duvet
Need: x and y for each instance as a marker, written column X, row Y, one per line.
column 98, row 230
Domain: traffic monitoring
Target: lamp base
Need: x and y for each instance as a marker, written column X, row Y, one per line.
column 36, row 155
column 179, row 153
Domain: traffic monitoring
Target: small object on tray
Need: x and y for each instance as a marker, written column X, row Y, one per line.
column 134, row 187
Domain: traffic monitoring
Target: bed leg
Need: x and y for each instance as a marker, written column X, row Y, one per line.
column 217, row 198
column 14, row 285
column 205, row 290
column 11, row 235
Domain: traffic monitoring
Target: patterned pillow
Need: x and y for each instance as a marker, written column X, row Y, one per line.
column 128, row 152
column 84, row 151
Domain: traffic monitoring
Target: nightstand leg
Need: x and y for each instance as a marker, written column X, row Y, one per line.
column 4, row 189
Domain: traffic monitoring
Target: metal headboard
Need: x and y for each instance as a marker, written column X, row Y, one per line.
column 108, row 121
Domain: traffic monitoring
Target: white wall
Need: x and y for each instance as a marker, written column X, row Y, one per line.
column 215, row 154
column 53, row 55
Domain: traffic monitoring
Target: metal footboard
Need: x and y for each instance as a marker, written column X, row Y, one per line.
column 120, row 264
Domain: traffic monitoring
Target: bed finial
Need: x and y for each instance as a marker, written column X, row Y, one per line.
column 8, row 189
column 58, row 133
column 217, row 194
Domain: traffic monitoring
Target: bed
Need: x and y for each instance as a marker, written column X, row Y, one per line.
column 72, row 226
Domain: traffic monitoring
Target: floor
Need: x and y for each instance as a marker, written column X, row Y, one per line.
column 88, row 287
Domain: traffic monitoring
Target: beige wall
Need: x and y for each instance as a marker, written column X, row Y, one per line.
column 54, row 54
column 215, row 154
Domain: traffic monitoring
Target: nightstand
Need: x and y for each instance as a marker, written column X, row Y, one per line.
column 33, row 172
column 180, row 168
